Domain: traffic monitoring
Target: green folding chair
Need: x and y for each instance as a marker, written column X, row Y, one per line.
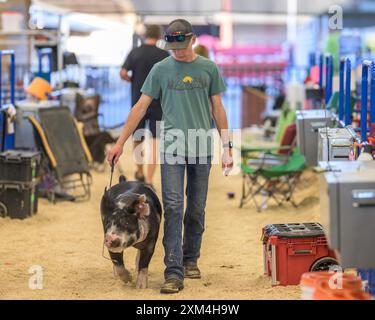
column 273, row 176
column 286, row 118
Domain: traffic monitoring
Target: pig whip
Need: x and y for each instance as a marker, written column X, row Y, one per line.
column 110, row 185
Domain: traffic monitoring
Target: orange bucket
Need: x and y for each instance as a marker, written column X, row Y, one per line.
column 39, row 88
column 352, row 291
column 310, row 281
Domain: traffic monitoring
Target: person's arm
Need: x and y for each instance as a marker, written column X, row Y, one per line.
column 127, row 66
column 135, row 116
column 124, row 75
column 220, row 118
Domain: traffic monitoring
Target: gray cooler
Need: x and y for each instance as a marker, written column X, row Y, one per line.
column 347, row 203
column 308, row 124
column 336, row 145
column 24, row 133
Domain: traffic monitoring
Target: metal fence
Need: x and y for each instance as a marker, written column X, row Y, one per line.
column 22, row 74
column 116, row 95
column 105, row 80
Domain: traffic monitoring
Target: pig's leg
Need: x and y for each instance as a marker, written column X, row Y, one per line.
column 118, row 263
column 137, row 260
column 145, row 255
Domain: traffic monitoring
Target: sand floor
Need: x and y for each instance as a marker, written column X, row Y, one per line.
column 66, row 241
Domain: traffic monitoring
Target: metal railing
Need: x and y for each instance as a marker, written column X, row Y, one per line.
column 116, row 95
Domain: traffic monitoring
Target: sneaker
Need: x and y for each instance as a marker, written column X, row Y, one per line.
column 192, row 271
column 172, row 285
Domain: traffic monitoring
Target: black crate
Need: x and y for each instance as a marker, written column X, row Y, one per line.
column 19, row 165
column 18, row 200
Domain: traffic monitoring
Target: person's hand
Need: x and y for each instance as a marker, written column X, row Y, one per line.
column 227, row 161
column 114, row 153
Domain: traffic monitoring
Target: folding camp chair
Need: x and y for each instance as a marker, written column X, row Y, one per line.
column 286, row 118
column 59, row 138
column 273, row 155
column 266, row 171
column 271, row 181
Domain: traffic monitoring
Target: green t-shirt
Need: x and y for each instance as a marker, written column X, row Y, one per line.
column 185, row 89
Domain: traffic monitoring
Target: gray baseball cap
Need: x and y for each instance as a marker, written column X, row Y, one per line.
column 177, row 27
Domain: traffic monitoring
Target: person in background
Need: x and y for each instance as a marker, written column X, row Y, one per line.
column 140, row 61
column 202, row 50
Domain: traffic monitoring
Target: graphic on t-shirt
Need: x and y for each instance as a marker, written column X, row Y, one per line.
column 187, row 83
column 187, row 79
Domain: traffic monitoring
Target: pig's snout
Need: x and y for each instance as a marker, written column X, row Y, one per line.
column 112, row 241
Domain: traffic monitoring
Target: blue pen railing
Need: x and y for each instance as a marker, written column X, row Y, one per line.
column 341, row 89
column 312, row 59
column 4, row 53
column 372, row 94
column 366, row 66
column 8, row 139
column 329, row 77
column 321, row 70
column 344, row 111
column 348, row 116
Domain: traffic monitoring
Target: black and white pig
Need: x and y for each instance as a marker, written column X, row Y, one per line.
column 131, row 214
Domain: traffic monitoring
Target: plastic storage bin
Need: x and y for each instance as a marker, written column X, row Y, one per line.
column 18, row 200
column 24, row 131
column 19, row 165
column 289, row 250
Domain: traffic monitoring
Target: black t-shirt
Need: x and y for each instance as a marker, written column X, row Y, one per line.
column 140, row 61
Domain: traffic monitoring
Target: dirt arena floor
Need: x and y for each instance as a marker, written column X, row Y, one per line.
column 66, row 241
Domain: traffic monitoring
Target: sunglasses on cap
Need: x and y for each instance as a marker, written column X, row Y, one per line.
column 177, row 37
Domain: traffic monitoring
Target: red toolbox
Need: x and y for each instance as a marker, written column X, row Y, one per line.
column 289, row 250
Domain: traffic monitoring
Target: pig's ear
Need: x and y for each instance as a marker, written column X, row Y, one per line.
column 141, row 207
column 107, row 201
column 106, row 196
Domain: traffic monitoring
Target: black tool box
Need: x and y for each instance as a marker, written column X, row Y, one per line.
column 18, row 200
column 19, row 165
column 19, row 171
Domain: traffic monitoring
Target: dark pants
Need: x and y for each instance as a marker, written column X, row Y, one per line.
column 178, row 252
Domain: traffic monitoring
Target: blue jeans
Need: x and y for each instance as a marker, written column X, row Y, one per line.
column 178, row 252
